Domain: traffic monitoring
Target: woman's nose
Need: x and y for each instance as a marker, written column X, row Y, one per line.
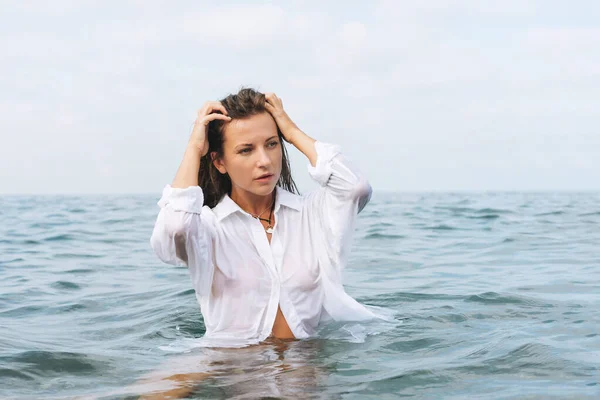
column 263, row 158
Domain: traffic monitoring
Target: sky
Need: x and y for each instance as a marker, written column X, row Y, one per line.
column 436, row 95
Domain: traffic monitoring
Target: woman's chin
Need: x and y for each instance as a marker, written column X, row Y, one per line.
column 264, row 189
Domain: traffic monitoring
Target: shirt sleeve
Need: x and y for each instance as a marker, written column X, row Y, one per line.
column 342, row 194
column 182, row 234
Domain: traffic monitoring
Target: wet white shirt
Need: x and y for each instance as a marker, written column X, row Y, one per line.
column 240, row 278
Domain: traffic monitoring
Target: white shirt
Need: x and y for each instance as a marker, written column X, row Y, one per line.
column 240, row 279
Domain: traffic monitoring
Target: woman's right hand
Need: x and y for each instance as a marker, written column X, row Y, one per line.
column 205, row 115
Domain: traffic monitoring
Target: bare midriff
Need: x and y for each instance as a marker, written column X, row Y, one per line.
column 281, row 329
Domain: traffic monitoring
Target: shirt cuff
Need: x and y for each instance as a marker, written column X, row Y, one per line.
column 325, row 154
column 190, row 199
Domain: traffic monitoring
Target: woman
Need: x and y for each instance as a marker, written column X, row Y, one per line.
column 264, row 261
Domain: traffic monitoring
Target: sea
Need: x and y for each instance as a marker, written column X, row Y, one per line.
column 492, row 295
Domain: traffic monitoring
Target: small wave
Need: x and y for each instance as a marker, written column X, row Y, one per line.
column 79, row 271
column 6, row 373
column 544, row 214
column 405, row 346
column 494, row 211
column 43, row 363
column 118, row 221
column 441, row 227
column 65, row 285
column 184, row 293
column 21, row 312
column 411, row 378
column 68, row 308
column 496, row 298
column 527, row 358
column 27, row 242
column 590, row 214
column 533, row 355
column 18, row 259
column 485, row 216
column 456, row 210
column 397, row 298
column 59, row 238
column 49, row 225
column 377, row 235
column 460, row 211
column 76, row 256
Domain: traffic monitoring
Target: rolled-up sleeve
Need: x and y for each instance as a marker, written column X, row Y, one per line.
column 343, row 193
column 182, row 234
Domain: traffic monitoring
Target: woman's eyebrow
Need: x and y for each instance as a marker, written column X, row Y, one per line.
column 243, row 145
column 272, row 137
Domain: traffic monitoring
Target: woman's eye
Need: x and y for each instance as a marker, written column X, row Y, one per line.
column 272, row 144
column 244, row 151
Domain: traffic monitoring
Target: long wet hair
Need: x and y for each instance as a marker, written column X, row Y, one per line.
column 246, row 103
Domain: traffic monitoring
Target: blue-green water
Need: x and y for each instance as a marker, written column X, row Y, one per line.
column 497, row 295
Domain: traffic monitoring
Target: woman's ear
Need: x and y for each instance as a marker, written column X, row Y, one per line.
column 218, row 162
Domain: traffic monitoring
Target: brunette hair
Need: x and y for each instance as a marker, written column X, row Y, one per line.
column 246, row 103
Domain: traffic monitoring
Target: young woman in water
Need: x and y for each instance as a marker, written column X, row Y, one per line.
column 264, row 261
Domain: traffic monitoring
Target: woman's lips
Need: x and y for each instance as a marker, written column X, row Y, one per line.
column 265, row 178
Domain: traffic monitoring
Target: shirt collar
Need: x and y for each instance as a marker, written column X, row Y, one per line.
column 226, row 206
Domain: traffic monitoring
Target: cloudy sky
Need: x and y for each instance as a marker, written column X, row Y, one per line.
column 99, row 96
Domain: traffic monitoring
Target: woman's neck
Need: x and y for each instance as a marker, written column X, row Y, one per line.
column 252, row 203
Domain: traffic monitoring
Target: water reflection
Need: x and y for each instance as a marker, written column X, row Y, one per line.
column 275, row 368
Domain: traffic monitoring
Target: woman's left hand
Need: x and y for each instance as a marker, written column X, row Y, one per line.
column 274, row 106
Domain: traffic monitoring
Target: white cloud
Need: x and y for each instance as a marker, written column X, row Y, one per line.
column 443, row 94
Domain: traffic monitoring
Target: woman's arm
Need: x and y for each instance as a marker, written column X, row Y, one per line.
column 344, row 190
column 181, row 234
column 289, row 129
column 187, row 174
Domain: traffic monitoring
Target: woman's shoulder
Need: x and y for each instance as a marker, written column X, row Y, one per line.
column 289, row 199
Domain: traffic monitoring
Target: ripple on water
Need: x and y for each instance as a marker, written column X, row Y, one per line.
column 65, row 285
column 78, row 271
column 68, row 256
column 441, row 227
column 550, row 213
column 7, row 373
column 45, row 363
column 22, row 312
column 379, row 235
column 474, row 311
column 485, row 216
column 65, row 237
column 590, row 214
column 533, row 358
column 496, row 298
column 405, row 346
column 409, row 383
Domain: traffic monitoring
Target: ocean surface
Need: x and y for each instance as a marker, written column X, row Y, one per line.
column 495, row 296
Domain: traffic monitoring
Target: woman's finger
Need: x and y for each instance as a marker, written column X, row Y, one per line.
column 211, row 106
column 217, row 105
column 212, row 117
column 271, row 97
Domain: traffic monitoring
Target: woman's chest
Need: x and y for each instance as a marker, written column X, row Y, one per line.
column 243, row 252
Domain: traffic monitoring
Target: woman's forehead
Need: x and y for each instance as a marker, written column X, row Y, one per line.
column 258, row 127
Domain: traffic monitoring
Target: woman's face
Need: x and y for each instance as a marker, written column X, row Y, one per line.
column 252, row 154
